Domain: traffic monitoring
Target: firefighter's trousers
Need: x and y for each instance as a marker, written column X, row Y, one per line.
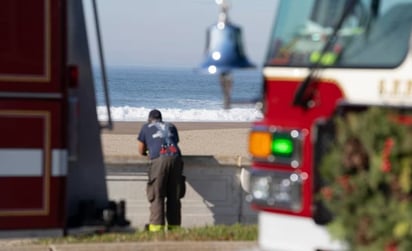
column 164, row 189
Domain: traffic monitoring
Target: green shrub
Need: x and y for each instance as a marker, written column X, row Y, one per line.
column 368, row 181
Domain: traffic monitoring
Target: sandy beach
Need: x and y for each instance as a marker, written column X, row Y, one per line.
column 226, row 141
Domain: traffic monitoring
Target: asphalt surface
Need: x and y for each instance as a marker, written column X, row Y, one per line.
column 135, row 246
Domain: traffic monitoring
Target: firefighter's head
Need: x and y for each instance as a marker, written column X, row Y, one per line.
column 155, row 115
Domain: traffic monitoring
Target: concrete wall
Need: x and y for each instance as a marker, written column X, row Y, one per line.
column 214, row 194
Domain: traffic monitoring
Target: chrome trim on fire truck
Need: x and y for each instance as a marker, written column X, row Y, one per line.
column 59, row 162
column 21, row 162
column 29, row 162
column 31, row 95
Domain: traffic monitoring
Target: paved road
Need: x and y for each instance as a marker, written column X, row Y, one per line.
column 136, row 246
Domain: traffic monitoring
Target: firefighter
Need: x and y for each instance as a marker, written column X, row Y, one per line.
column 165, row 187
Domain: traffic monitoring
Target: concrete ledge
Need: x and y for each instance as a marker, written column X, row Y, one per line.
column 214, row 194
column 220, row 159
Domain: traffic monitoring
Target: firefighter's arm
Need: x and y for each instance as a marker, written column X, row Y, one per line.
column 141, row 147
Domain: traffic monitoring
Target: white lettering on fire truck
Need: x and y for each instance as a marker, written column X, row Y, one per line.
column 395, row 88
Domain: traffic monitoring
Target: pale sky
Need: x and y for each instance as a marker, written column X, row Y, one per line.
column 173, row 32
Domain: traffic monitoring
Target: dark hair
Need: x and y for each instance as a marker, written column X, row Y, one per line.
column 155, row 115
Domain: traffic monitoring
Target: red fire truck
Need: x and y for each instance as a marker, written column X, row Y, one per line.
column 323, row 56
column 51, row 162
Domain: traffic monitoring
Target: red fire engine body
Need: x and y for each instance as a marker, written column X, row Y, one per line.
column 50, row 151
column 323, row 55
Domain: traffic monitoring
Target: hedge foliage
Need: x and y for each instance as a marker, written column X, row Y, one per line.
column 368, row 173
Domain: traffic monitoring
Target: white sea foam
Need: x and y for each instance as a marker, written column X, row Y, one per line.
column 127, row 113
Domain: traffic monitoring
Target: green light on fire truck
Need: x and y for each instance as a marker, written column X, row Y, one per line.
column 282, row 146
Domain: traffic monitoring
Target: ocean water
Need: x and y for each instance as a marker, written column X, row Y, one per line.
column 181, row 94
